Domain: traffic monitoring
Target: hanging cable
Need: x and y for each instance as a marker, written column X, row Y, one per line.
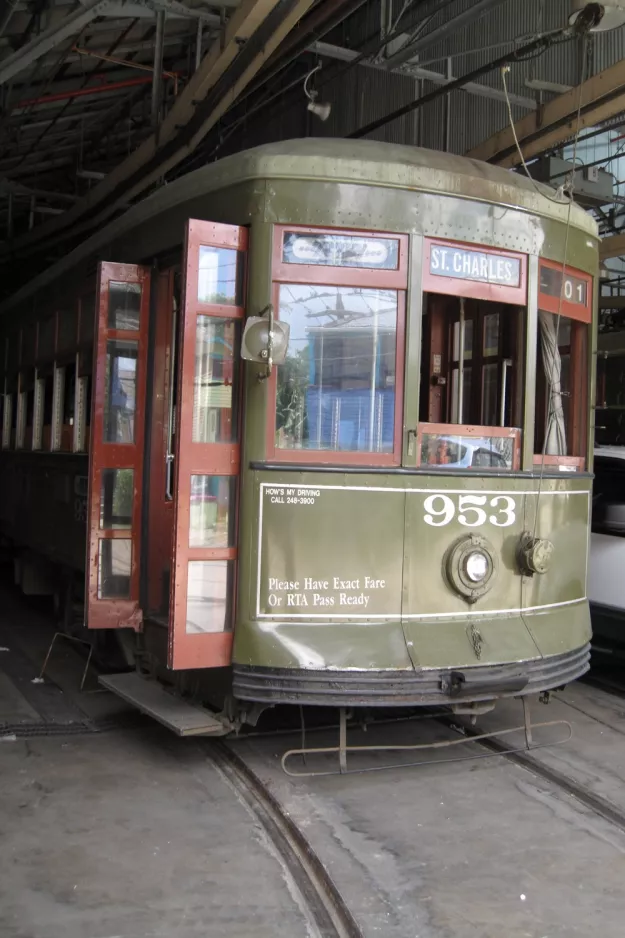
column 570, row 186
column 560, row 192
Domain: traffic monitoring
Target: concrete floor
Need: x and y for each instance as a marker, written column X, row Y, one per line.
column 133, row 833
column 479, row 849
column 128, row 835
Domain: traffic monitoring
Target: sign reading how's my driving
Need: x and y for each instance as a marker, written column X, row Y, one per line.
column 323, row 553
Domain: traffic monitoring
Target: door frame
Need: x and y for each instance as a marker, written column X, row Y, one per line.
column 116, row 612
column 188, row 650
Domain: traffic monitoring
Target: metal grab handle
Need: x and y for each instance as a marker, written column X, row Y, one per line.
column 507, row 363
column 461, row 329
column 171, row 403
column 169, row 477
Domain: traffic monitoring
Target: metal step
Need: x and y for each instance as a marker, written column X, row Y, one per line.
column 184, row 718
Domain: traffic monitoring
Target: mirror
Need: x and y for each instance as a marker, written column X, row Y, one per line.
column 265, row 340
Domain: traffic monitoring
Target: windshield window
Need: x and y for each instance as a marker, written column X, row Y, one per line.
column 336, row 389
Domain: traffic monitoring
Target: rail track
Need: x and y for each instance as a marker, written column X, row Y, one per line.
column 526, row 760
column 323, row 901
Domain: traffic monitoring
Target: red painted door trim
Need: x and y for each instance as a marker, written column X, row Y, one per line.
column 114, row 613
column 204, row 649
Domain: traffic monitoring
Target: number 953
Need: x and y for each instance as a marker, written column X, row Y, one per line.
column 441, row 509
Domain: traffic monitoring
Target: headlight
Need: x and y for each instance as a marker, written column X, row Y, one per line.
column 470, row 567
column 476, row 566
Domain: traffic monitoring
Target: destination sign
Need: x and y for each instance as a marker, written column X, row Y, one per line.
column 340, row 250
column 481, row 266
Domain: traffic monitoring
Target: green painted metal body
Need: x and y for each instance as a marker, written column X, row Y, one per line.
column 364, row 547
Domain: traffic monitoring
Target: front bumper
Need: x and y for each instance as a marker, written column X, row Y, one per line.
column 426, row 687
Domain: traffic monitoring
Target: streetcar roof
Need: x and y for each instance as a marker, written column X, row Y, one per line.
column 360, row 162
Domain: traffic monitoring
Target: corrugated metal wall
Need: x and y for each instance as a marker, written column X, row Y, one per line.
column 360, row 94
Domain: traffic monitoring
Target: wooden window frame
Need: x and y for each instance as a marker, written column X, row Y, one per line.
column 340, row 276
column 117, row 611
column 188, row 650
column 326, row 275
column 577, row 463
column 442, row 319
column 470, row 430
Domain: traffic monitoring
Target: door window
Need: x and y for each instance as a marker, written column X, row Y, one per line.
column 561, row 391
column 116, row 449
column 215, row 404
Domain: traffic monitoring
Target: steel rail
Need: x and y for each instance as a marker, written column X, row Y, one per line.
column 324, row 901
column 596, row 803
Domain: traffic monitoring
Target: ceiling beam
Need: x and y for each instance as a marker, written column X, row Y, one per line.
column 612, row 247
column 130, row 176
column 225, row 100
column 49, row 38
column 472, row 87
column 452, row 25
column 73, row 23
column 602, row 97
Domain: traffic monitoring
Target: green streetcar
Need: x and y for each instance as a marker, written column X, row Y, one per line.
column 313, row 425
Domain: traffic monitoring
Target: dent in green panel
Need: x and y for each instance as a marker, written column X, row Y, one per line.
column 448, row 644
column 322, row 645
column 558, row 630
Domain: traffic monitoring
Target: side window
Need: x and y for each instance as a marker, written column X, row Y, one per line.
column 562, row 379
column 69, row 394
column 7, row 420
column 561, row 388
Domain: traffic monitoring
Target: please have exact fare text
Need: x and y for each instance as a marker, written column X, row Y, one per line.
column 322, row 593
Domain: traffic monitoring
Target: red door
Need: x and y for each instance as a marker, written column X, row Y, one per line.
column 116, row 451
column 207, row 447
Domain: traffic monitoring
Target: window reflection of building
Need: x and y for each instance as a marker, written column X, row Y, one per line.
column 123, row 398
column 337, row 388
column 214, row 372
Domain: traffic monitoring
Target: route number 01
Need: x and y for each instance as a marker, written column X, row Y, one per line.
column 441, row 510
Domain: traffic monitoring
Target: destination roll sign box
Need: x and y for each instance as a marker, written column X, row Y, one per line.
column 465, row 264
